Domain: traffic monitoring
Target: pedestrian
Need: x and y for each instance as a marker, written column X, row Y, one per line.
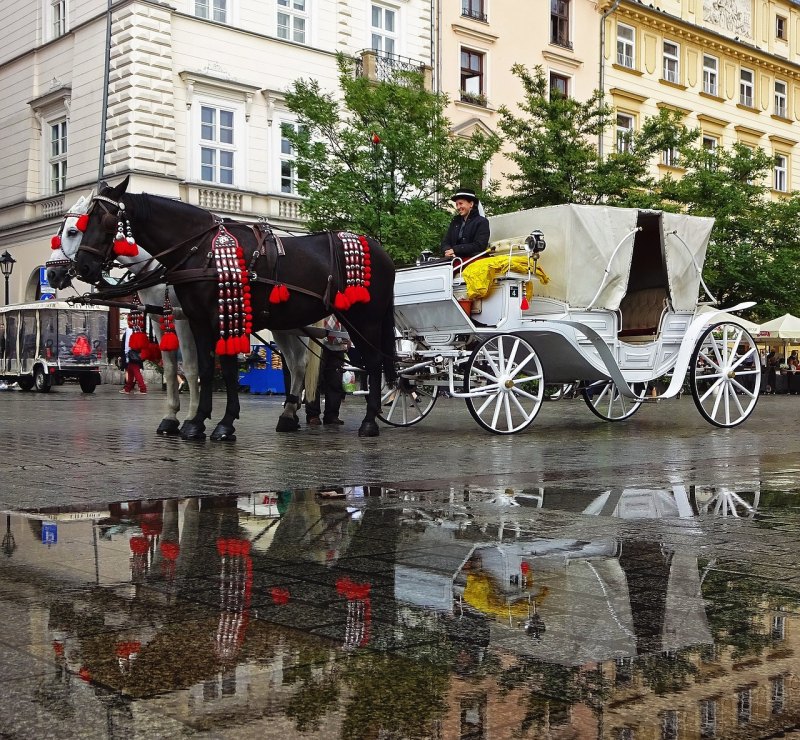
column 331, row 375
column 133, row 367
column 469, row 231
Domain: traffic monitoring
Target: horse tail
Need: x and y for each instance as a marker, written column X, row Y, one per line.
column 313, row 367
column 389, row 344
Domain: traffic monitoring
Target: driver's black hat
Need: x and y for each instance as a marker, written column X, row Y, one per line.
column 464, row 194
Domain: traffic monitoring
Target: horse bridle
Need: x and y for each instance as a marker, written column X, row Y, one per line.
column 104, row 253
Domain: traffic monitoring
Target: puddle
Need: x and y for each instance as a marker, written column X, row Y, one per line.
column 386, row 612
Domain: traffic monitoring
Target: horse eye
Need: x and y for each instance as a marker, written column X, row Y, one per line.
column 72, row 232
column 109, row 222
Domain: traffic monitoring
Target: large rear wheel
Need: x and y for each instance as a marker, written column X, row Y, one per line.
column 504, row 376
column 725, row 374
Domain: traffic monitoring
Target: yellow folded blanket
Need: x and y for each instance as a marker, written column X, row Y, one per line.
column 480, row 274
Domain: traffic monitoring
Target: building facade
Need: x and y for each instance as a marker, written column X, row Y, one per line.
column 187, row 97
column 731, row 67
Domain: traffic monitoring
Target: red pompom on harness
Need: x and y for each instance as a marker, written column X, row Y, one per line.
column 235, row 310
column 139, row 339
column 169, row 339
column 124, row 243
column 357, row 269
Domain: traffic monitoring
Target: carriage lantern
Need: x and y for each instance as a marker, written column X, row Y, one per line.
column 535, row 242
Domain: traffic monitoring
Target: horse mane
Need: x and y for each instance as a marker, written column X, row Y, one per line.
column 142, row 204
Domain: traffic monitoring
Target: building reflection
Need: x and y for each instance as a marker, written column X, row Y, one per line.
column 366, row 612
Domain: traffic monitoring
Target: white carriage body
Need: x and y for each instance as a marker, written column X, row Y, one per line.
column 621, row 305
column 631, row 276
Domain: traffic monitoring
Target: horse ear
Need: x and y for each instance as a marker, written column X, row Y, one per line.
column 123, row 186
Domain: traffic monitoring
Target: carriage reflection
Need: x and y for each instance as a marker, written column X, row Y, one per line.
column 302, row 605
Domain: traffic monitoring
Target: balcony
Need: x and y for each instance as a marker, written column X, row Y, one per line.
column 381, row 66
column 474, row 14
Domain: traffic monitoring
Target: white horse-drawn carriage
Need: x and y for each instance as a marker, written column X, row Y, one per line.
column 617, row 311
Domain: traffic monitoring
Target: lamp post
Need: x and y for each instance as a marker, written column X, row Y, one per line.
column 7, row 267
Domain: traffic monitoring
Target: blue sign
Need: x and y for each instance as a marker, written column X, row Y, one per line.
column 46, row 291
column 49, row 533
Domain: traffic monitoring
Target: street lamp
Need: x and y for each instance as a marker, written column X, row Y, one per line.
column 7, row 267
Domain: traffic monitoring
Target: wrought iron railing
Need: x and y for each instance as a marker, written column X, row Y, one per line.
column 382, row 66
column 473, row 13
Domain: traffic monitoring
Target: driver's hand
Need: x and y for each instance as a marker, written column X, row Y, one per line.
column 449, row 253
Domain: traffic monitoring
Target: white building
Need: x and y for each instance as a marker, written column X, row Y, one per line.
column 186, row 96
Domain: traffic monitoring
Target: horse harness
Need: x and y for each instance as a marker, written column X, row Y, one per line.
column 269, row 248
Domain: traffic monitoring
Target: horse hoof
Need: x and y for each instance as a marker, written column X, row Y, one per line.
column 287, row 424
column 223, row 434
column 169, row 428
column 192, row 431
column 368, row 429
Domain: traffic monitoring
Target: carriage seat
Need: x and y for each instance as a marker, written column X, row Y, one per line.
column 641, row 312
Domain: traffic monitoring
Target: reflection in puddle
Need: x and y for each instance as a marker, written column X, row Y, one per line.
column 368, row 612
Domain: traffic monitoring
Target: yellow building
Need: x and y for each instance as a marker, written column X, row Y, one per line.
column 730, row 66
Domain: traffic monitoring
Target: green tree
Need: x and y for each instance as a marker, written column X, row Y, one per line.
column 382, row 159
column 554, row 150
column 754, row 251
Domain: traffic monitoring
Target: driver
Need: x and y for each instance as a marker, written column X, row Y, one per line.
column 468, row 233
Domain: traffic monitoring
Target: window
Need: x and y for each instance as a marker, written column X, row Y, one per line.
column 217, row 145
column 384, row 29
column 58, row 18
column 292, row 20
column 624, row 132
column 58, row 156
column 559, row 23
column 778, row 695
column 559, row 83
column 288, row 154
column 215, row 10
column 473, row 9
column 779, row 620
column 671, row 62
column 780, row 27
column 710, row 145
column 746, row 87
column 669, row 725
column 669, row 157
column 710, row 75
column 625, row 46
column 780, row 98
column 744, row 706
column 472, row 71
column 708, row 718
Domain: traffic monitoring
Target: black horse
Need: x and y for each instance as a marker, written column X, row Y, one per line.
column 310, row 274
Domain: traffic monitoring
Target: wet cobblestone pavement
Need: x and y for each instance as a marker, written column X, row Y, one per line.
column 579, row 580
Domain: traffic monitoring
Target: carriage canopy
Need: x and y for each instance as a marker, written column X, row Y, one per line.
column 641, row 249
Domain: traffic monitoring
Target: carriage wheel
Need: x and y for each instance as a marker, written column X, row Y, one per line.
column 557, row 392
column 604, row 400
column 725, row 374
column 506, row 375
column 408, row 402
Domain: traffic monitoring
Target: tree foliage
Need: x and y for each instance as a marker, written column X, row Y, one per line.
column 553, row 146
column 381, row 160
column 754, row 251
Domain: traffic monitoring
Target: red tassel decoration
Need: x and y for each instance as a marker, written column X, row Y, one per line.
column 138, row 340
column 232, row 346
column 525, row 305
column 55, row 242
column 244, row 344
column 169, row 342
column 274, row 294
column 220, row 349
column 82, row 222
column 340, row 302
